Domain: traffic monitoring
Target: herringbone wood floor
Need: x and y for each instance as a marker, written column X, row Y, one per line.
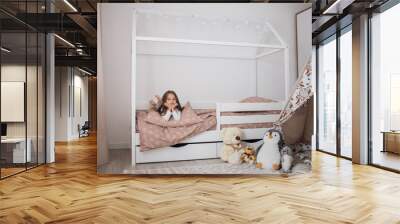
column 70, row 191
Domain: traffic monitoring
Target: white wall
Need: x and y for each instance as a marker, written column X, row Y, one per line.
column 115, row 29
column 115, row 44
column 62, row 81
column 66, row 121
column 270, row 76
column 304, row 39
column 15, row 72
column 80, row 115
column 216, row 80
column 33, row 126
column 13, row 93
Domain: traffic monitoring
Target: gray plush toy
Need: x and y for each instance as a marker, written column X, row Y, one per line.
column 286, row 159
column 303, row 153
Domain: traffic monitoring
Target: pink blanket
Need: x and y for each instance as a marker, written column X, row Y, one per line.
column 159, row 134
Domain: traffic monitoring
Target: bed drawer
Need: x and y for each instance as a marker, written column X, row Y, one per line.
column 207, row 136
column 185, row 152
column 220, row 145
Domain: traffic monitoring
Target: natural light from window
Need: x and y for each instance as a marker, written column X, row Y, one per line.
column 385, row 88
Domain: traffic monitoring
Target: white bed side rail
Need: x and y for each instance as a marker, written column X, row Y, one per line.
column 144, row 105
column 247, row 107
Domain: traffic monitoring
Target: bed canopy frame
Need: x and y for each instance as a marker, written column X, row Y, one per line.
column 261, row 26
column 264, row 39
column 260, row 39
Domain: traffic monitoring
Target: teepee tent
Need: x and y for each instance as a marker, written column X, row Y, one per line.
column 296, row 119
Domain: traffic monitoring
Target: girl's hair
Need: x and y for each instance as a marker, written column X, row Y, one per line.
column 163, row 109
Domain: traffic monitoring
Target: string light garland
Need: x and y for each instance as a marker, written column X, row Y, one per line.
column 204, row 21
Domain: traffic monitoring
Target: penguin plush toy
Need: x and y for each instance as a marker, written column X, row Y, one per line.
column 269, row 156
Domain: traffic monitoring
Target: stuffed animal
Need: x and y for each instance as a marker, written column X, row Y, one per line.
column 269, row 156
column 155, row 103
column 235, row 157
column 248, row 155
column 302, row 153
column 231, row 138
column 286, row 159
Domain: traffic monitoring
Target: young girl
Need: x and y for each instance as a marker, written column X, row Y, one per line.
column 170, row 108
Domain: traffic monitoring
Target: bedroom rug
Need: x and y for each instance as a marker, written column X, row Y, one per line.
column 208, row 166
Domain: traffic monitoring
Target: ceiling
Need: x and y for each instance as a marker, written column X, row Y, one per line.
column 75, row 21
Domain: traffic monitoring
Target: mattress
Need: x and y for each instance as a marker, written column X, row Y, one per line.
column 141, row 114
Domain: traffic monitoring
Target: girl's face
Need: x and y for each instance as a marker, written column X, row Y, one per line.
column 171, row 100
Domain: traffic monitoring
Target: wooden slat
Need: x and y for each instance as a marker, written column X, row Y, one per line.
column 235, row 107
column 254, row 133
column 249, row 119
column 144, row 105
column 225, row 107
column 207, row 42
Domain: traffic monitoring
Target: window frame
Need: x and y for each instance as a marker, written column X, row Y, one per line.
column 334, row 37
column 380, row 9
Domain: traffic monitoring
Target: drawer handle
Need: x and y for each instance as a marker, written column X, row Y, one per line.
column 179, row 145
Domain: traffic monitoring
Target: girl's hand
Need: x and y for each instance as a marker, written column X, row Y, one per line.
column 170, row 107
column 167, row 106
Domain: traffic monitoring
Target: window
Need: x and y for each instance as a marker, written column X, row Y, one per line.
column 327, row 96
column 335, row 94
column 385, row 89
column 394, row 102
column 22, row 77
column 346, row 93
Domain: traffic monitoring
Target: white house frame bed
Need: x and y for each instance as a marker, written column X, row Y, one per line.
column 207, row 144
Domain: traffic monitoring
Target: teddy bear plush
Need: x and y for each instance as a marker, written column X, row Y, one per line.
column 248, row 156
column 235, row 157
column 231, row 138
column 155, row 103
